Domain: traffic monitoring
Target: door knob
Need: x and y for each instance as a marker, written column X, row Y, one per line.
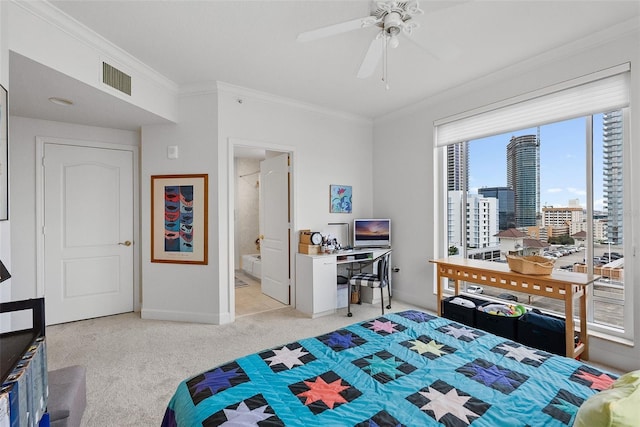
column 125, row 243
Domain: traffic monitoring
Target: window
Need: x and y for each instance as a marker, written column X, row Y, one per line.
column 554, row 189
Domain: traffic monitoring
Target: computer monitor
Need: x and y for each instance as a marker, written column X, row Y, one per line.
column 371, row 233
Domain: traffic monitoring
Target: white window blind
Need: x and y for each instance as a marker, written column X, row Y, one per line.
column 606, row 90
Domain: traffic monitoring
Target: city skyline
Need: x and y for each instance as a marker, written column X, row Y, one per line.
column 562, row 144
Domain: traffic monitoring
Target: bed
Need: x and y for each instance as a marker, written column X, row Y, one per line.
column 401, row 369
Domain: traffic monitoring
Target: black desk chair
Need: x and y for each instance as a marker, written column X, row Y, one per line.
column 374, row 280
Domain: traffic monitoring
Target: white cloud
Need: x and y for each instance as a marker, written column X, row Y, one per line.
column 555, row 190
column 576, row 191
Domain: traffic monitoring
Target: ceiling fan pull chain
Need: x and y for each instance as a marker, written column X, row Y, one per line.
column 385, row 74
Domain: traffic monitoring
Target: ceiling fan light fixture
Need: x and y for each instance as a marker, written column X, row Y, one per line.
column 393, row 20
column 394, row 41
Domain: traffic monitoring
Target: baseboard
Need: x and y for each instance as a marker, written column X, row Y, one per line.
column 180, row 316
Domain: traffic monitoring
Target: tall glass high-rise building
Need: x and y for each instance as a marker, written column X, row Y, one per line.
column 612, row 170
column 523, row 177
column 457, row 167
column 506, row 205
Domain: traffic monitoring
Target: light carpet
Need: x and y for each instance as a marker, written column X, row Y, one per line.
column 134, row 365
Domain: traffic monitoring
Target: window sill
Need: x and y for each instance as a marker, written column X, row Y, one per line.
column 611, row 338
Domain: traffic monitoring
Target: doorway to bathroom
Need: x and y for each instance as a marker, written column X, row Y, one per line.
column 261, row 283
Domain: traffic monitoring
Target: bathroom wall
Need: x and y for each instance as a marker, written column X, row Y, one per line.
column 247, row 207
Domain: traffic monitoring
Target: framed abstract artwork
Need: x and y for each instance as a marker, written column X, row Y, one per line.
column 179, row 210
column 4, row 155
column 340, row 199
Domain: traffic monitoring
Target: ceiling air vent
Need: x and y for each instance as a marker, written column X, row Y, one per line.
column 116, row 79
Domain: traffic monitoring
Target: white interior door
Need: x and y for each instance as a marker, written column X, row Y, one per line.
column 274, row 227
column 88, row 232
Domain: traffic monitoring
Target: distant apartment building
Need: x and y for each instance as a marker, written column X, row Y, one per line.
column 506, row 205
column 523, row 176
column 612, row 171
column 518, row 242
column 599, row 230
column 569, row 218
column 544, row 233
column 478, row 225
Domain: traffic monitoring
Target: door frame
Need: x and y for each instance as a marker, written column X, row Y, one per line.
column 40, row 255
column 238, row 142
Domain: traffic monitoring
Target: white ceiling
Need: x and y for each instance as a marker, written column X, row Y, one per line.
column 253, row 44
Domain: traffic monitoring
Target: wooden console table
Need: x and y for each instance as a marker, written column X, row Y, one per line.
column 564, row 285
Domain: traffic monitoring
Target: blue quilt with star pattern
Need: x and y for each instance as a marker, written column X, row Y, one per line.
column 402, row 369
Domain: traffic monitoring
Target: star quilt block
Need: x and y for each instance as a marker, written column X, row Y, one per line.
column 494, row 376
column 563, row 407
column 342, row 339
column 592, row 378
column 216, row 380
column 324, row 392
column 521, row 353
column 286, row 357
column 461, row 332
column 417, row 316
column 383, row 326
column 448, row 405
column 384, row 366
column 254, row 411
column 428, row 347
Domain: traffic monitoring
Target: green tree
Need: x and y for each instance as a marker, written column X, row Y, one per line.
column 565, row 239
column 453, row 250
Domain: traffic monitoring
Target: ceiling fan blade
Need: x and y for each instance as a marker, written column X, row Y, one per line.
column 372, row 58
column 337, row 29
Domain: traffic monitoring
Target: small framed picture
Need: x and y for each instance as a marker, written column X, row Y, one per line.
column 179, row 210
column 340, row 198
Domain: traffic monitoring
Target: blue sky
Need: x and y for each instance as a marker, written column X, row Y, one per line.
column 562, row 162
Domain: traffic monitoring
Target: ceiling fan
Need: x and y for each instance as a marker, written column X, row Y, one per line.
column 392, row 17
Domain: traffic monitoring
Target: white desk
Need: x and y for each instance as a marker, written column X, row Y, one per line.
column 316, row 279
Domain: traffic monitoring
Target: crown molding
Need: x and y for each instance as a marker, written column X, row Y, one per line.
column 201, row 88
column 277, row 99
column 216, row 87
column 54, row 16
column 594, row 40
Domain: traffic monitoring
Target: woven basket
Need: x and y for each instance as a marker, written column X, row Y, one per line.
column 535, row 265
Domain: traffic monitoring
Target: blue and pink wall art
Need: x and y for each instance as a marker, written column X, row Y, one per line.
column 178, row 218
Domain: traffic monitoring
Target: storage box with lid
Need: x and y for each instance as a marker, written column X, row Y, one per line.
column 499, row 319
column 464, row 312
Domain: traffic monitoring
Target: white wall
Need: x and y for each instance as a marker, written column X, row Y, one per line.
column 22, row 159
column 247, row 210
column 403, row 159
column 182, row 291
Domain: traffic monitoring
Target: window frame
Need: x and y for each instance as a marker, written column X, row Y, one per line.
column 441, row 243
